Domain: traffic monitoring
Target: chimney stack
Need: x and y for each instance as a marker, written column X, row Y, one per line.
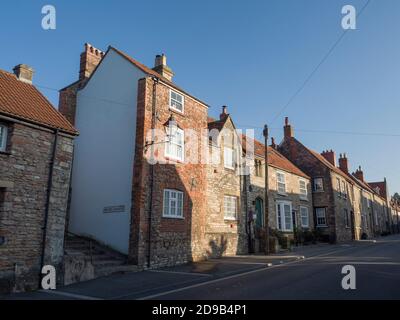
column 90, row 58
column 359, row 174
column 344, row 163
column 288, row 130
column 330, row 156
column 224, row 113
column 273, row 144
column 24, row 73
column 161, row 67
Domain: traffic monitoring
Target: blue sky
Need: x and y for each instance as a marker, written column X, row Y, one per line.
column 249, row 55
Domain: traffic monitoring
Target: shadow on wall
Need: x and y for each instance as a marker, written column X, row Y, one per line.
column 217, row 248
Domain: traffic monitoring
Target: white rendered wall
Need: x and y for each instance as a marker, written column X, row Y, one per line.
column 104, row 153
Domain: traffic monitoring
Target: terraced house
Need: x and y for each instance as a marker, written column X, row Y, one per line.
column 289, row 195
column 345, row 206
column 36, row 147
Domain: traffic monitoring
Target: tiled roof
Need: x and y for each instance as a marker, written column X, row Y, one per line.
column 23, row 101
column 381, row 186
column 151, row 72
column 216, row 124
column 275, row 158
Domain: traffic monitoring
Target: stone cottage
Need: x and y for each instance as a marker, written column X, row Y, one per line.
column 289, row 195
column 345, row 206
column 36, row 147
column 226, row 232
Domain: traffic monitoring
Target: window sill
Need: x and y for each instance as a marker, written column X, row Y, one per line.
column 319, row 191
column 322, row 226
column 282, row 194
column 231, row 219
column 182, row 113
column 175, row 218
column 6, row 153
column 304, row 199
column 172, row 159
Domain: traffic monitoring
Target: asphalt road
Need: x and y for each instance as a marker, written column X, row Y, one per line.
column 377, row 268
column 318, row 276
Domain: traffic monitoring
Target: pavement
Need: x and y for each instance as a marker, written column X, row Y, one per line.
column 311, row 272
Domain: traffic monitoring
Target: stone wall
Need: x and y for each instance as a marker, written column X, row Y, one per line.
column 256, row 189
column 26, row 164
column 224, row 236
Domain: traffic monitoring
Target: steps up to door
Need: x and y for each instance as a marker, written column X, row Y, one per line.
column 86, row 259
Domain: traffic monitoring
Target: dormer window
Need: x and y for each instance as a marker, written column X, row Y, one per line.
column 3, row 138
column 176, row 101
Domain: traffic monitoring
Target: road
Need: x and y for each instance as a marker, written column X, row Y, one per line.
column 318, row 276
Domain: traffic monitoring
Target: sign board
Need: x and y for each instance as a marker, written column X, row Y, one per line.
column 114, row 209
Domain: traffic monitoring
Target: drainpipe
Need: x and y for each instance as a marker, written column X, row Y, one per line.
column 47, row 208
column 153, row 126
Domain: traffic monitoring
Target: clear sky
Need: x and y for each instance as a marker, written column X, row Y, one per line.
column 249, row 55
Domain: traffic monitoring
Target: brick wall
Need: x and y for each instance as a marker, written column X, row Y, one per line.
column 22, row 211
column 173, row 241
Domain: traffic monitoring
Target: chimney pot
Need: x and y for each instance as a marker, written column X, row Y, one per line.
column 90, row 58
column 224, row 113
column 24, row 73
column 161, row 67
column 288, row 129
column 330, row 156
column 344, row 163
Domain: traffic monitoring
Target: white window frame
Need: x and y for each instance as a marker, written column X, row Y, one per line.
column 172, row 142
column 324, row 217
column 230, row 207
column 302, row 216
column 231, row 151
column 3, row 138
column 281, row 216
column 303, row 191
column 172, row 100
column 280, row 183
column 315, row 184
column 173, row 203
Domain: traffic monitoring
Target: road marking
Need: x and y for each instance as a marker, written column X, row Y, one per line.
column 70, row 295
column 183, row 273
column 241, row 262
column 238, row 275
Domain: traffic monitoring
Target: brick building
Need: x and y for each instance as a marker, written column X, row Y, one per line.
column 36, row 147
column 345, row 206
column 154, row 212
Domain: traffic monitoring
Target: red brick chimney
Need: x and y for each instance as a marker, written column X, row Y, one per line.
column 287, row 129
column 90, row 58
column 224, row 113
column 344, row 163
column 330, row 156
column 359, row 174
